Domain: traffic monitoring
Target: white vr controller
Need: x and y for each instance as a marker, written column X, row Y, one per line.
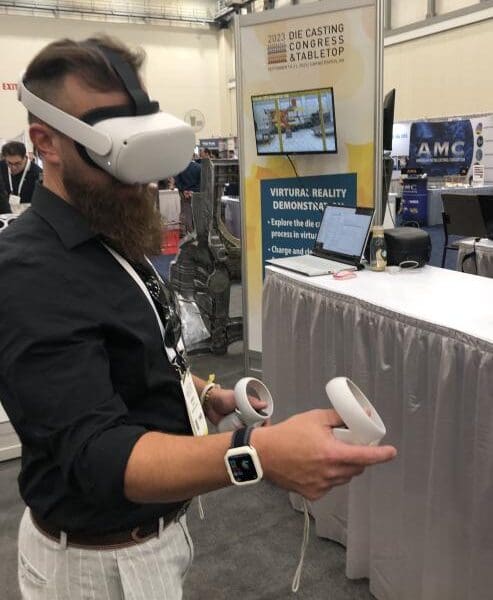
column 364, row 425
column 244, row 413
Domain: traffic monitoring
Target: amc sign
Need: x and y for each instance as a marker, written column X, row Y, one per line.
column 441, row 147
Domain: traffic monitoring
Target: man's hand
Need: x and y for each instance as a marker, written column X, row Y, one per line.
column 302, row 455
column 221, row 402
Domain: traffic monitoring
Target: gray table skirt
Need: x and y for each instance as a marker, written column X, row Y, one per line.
column 421, row 527
column 479, row 263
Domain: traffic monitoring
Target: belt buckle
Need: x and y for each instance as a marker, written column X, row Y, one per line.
column 138, row 539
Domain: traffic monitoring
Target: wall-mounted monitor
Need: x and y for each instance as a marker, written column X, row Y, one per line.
column 388, row 119
column 295, row 122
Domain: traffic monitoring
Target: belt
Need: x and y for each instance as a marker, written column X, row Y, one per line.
column 117, row 539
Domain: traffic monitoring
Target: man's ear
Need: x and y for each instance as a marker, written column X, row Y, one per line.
column 47, row 142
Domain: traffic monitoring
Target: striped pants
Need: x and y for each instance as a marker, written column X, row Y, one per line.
column 153, row 570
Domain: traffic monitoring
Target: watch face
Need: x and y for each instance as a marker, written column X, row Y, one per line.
column 243, row 468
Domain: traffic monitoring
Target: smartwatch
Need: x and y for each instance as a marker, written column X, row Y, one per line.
column 242, row 461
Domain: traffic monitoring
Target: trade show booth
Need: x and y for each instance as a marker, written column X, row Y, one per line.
column 436, row 156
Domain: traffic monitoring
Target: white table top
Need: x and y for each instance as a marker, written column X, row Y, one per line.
column 462, row 189
column 454, row 300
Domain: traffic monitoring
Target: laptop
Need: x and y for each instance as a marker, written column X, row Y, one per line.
column 340, row 243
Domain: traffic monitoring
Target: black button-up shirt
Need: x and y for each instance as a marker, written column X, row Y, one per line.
column 83, row 372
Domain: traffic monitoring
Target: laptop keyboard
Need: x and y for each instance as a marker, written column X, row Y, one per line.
column 315, row 262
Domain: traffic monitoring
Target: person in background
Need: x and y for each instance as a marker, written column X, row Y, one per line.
column 187, row 182
column 189, row 179
column 97, row 384
column 19, row 173
column 204, row 153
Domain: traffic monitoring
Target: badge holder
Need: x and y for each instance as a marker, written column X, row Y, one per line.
column 15, row 203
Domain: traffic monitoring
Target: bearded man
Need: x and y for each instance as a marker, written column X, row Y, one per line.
column 94, row 378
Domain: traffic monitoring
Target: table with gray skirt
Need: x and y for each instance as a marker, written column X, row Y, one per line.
column 419, row 527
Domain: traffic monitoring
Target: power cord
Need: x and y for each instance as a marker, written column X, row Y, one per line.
column 304, row 544
column 472, row 255
column 292, row 164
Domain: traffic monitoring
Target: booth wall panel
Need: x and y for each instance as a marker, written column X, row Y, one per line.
column 182, row 68
column 405, row 12
column 443, row 74
column 445, row 6
column 227, row 75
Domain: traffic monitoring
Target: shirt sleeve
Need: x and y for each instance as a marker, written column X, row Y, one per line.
column 179, row 182
column 56, row 385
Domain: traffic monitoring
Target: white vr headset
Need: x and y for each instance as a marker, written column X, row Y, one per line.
column 134, row 143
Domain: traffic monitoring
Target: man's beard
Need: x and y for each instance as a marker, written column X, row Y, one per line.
column 125, row 216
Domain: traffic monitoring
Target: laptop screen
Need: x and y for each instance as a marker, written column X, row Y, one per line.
column 343, row 231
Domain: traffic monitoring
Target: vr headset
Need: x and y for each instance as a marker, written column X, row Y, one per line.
column 135, row 143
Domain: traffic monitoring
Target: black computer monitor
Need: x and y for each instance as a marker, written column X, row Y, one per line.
column 388, row 124
column 388, row 119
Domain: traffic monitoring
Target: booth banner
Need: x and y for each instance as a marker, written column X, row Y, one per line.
column 445, row 147
column 414, row 207
column 210, row 143
column 442, row 147
column 400, row 145
column 307, row 87
column 292, row 209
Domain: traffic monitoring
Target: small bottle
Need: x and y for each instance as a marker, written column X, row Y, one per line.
column 378, row 250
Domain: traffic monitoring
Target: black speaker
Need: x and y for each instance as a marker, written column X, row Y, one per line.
column 407, row 244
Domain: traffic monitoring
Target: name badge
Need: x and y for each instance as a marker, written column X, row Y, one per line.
column 14, row 199
column 194, row 408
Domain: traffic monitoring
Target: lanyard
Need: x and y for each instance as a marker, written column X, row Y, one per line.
column 21, row 182
column 172, row 354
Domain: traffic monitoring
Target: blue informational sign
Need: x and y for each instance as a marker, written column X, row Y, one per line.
column 414, row 207
column 441, row 147
column 292, row 210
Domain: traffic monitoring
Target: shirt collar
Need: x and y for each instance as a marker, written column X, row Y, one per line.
column 70, row 225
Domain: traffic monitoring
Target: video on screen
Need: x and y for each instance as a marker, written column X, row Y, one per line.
column 295, row 122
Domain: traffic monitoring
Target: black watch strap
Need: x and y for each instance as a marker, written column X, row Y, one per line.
column 241, row 437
